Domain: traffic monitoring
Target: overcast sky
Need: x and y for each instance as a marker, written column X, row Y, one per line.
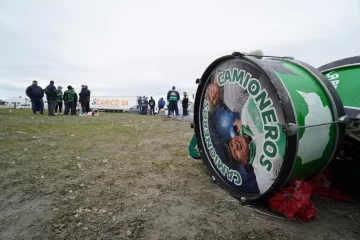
column 120, row 47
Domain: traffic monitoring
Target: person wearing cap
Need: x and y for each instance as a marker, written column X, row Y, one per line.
column 70, row 98
column 152, row 106
column 51, row 96
column 84, row 99
column 59, row 99
column 245, row 149
column 173, row 97
column 185, row 104
column 36, row 94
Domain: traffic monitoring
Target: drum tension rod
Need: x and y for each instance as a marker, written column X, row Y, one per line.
column 240, row 54
column 284, row 57
column 292, row 129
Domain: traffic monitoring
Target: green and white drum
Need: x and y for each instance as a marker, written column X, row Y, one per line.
column 243, row 109
column 344, row 74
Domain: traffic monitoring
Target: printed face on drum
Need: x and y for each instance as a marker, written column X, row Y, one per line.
column 238, row 149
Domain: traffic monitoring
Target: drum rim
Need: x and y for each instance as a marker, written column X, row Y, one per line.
column 340, row 67
column 342, row 63
column 336, row 105
column 288, row 111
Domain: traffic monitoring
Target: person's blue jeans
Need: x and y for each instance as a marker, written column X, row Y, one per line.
column 70, row 106
column 144, row 110
column 173, row 107
column 37, row 104
column 51, row 107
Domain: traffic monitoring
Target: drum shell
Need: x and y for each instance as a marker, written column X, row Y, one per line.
column 287, row 77
column 323, row 106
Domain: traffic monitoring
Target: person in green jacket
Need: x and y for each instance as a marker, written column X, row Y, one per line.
column 59, row 99
column 70, row 98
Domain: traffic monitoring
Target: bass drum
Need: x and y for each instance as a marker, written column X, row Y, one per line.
column 345, row 76
column 242, row 105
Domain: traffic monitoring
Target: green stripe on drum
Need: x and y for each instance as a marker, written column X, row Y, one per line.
column 312, row 106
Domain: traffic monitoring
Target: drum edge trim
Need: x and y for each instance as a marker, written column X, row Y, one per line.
column 340, row 67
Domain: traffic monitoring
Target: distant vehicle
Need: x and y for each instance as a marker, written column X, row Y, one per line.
column 135, row 109
column 112, row 104
column 23, row 106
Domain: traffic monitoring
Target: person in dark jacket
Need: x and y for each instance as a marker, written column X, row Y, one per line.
column 144, row 105
column 139, row 105
column 147, row 105
column 59, row 99
column 173, row 97
column 70, row 99
column 36, row 94
column 185, row 104
column 51, row 96
column 84, row 99
column 88, row 102
column 152, row 106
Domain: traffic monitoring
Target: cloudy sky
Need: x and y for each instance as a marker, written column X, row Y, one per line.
column 130, row 47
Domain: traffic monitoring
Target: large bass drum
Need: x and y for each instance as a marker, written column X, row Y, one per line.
column 241, row 109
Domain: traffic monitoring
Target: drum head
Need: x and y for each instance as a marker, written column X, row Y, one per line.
column 240, row 107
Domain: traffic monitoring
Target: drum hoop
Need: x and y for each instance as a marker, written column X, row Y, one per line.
column 336, row 107
column 290, row 154
column 197, row 123
column 340, row 63
column 340, row 67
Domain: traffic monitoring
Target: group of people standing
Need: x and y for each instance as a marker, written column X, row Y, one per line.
column 144, row 103
column 173, row 98
column 55, row 98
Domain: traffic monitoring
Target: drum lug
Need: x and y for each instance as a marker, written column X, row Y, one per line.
column 213, row 179
column 238, row 54
column 291, row 129
column 344, row 120
column 198, row 81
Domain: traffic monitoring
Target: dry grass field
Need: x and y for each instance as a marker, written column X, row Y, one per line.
column 123, row 176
